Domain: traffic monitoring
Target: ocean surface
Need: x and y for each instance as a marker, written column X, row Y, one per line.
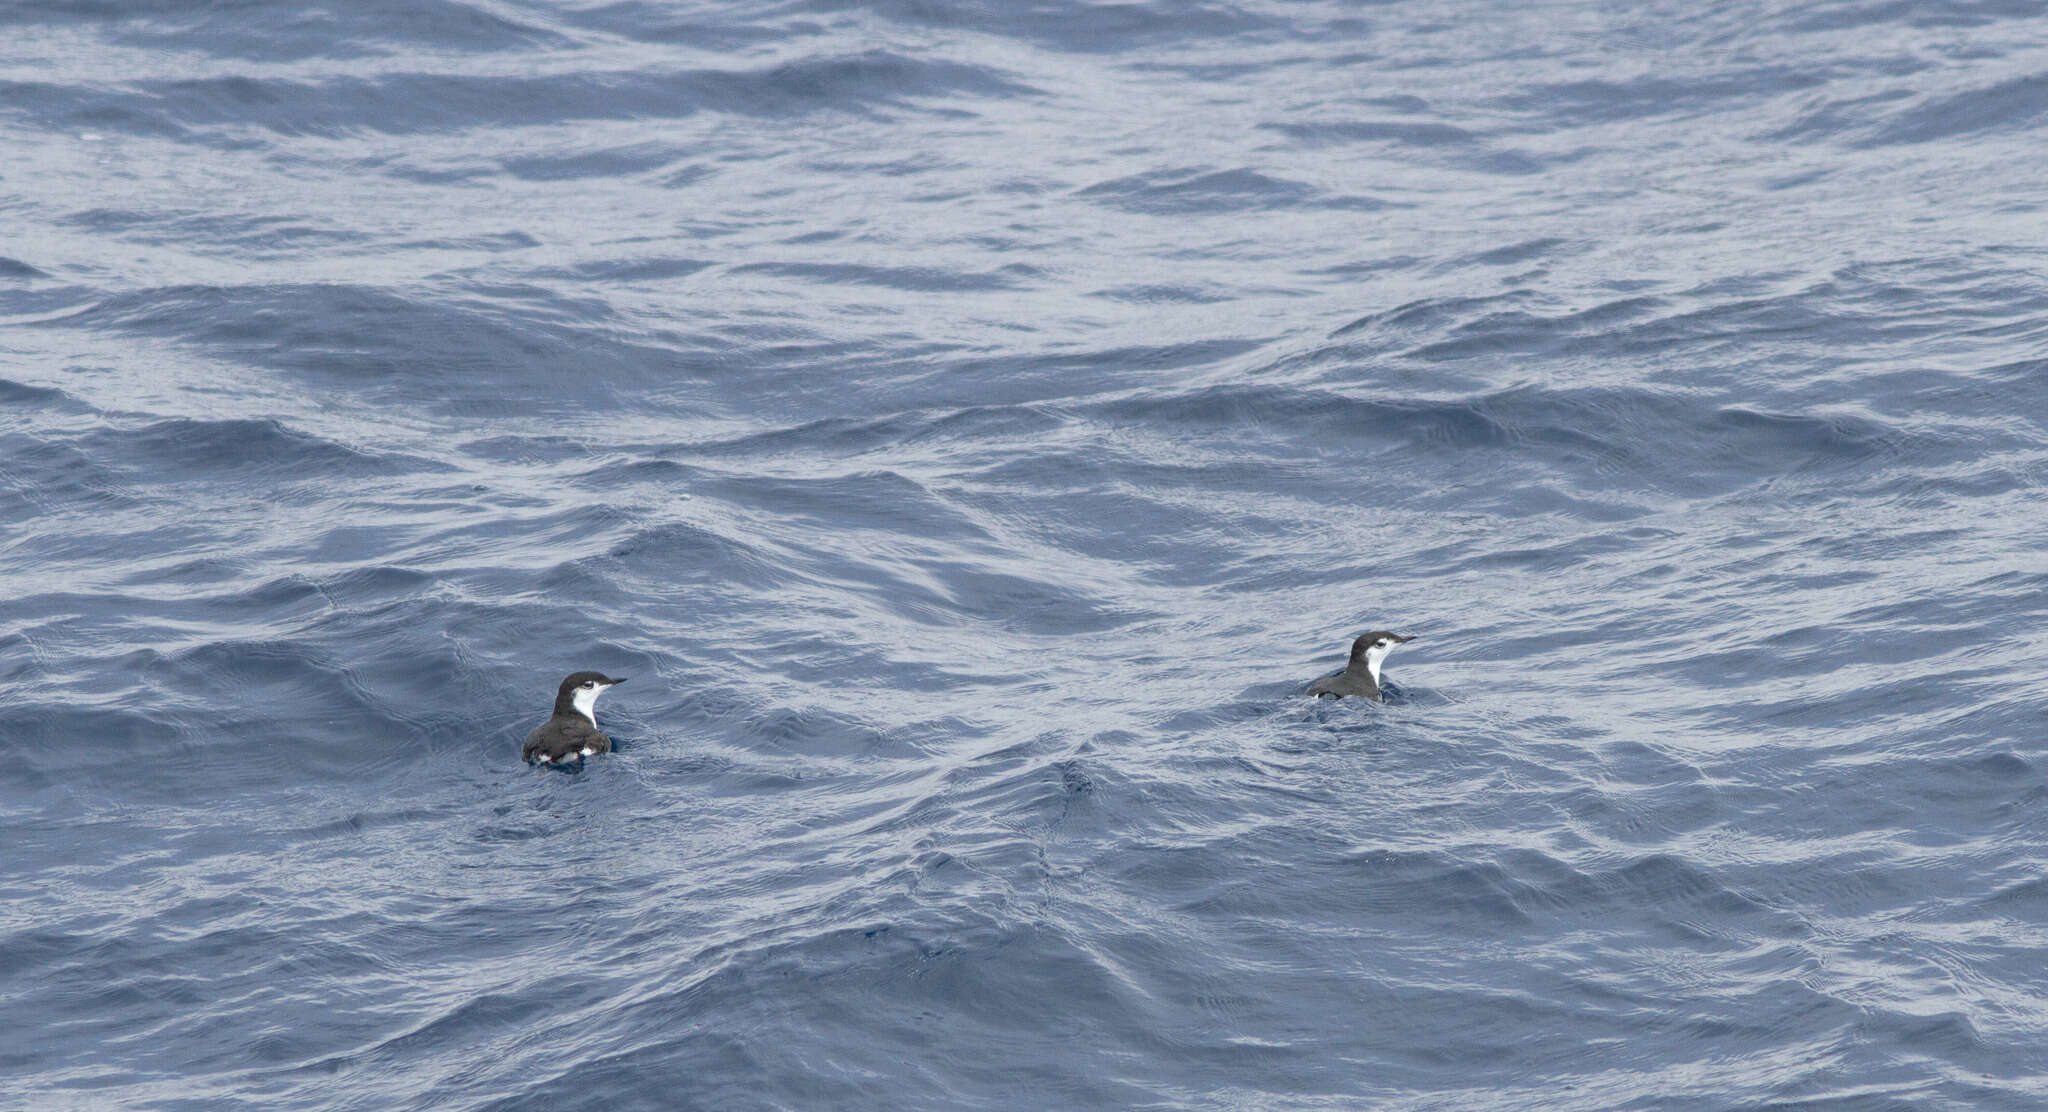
column 971, row 426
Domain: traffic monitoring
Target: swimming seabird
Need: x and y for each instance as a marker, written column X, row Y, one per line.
column 572, row 733
column 1361, row 677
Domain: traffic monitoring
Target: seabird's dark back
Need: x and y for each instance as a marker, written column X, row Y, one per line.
column 571, row 733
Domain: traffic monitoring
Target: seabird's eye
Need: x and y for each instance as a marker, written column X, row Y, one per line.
column 590, row 683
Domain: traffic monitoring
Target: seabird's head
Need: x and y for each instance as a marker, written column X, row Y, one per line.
column 580, row 691
column 1373, row 649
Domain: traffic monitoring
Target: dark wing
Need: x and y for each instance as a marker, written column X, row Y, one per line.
column 562, row 738
column 1345, row 684
column 537, row 746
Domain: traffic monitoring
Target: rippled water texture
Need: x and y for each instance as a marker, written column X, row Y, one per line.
column 971, row 426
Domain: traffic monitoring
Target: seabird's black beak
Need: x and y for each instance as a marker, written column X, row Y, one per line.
column 615, row 682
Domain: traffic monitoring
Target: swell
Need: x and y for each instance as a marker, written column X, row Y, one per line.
column 213, row 110
column 1610, row 441
column 451, row 352
column 972, row 426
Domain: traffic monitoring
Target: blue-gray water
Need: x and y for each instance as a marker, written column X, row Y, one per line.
column 971, row 426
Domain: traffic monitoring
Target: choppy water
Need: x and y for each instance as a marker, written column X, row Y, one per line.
column 971, row 426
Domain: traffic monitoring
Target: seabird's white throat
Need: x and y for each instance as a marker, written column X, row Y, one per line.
column 1374, row 654
column 586, row 701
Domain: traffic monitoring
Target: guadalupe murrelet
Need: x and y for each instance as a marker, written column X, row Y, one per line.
column 572, row 733
column 1361, row 677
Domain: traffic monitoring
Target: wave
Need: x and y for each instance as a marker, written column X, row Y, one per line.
column 217, row 110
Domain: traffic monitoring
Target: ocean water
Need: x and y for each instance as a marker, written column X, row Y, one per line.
column 971, row 426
